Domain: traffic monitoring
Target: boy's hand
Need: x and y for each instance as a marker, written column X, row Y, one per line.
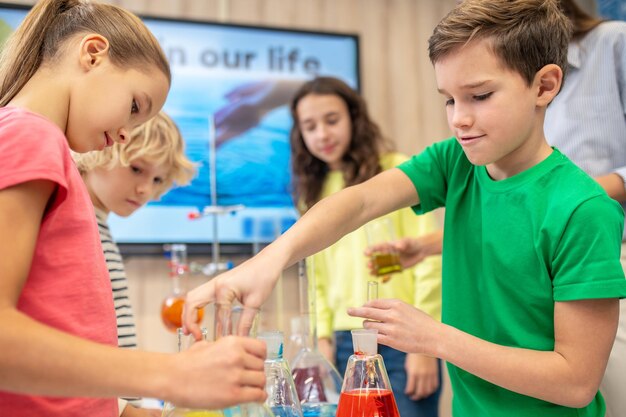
column 220, row 374
column 400, row 325
column 422, row 376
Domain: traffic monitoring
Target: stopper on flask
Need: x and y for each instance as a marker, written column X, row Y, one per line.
column 274, row 341
column 365, row 341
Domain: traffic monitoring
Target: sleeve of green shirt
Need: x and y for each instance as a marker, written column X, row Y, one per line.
column 586, row 263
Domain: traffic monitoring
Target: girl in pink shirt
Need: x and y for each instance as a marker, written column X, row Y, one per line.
column 79, row 75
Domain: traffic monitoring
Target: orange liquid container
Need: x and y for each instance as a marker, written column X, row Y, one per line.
column 172, row 310
column 366, row 390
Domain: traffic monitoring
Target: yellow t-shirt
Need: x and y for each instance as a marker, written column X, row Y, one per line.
column 342, row 275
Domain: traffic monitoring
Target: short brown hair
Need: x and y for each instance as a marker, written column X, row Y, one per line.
column 525, row 35
column 158, row 141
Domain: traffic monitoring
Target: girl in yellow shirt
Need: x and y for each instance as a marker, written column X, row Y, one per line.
column 334, row 144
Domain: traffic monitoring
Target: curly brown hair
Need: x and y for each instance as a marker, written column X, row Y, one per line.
column 359, row 163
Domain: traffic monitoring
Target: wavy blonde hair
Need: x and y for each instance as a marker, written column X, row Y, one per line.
column 158, row 141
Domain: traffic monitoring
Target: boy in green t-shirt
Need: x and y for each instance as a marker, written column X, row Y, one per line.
column 531, row 271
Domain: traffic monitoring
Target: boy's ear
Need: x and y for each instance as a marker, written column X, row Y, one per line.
column 548, row 83
column 94, row 49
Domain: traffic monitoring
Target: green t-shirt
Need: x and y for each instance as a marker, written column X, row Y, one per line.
column 511, row 249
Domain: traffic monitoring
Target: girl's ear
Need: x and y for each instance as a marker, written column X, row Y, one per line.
column 548, row 82
column 94, row 49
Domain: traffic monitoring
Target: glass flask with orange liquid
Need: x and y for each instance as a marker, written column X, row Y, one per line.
column 366, row 390
column 172, row 306
column 282, row 398
column 318, row 383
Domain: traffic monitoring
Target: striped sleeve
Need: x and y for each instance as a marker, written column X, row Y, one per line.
column 126, row 333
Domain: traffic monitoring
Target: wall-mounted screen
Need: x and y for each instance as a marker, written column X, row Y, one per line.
column 229, row 94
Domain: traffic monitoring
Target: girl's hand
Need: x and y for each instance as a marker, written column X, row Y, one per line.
column 325, row 347
column 250, row 283
column 411, row 250
column 422, row 374
column 233, row 368
column 130, row 411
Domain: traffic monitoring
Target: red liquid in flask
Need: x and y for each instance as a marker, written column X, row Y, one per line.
column 367, row 403
column 309, row 385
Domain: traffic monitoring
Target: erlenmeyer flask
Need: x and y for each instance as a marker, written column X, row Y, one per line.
column 240, row 321
column 172, row 306
column 282, row 398
column 317, row 381
column 366, row 390
column 169, row 409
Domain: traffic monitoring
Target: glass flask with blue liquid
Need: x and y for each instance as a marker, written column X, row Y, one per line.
column 282, row 397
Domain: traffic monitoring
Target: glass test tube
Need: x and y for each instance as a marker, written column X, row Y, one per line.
column 372, row 290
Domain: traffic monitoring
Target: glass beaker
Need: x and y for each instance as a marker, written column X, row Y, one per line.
column 385, row 258
column 282, row 398
column 366, row 390
column 172, row 306
column 241, row 321
column 318, row 383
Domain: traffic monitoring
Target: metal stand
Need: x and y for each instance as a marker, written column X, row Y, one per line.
column 215, row 266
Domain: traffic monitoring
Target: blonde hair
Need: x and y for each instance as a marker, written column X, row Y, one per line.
column 525, row 35
column 158, row 141
column 50, row 23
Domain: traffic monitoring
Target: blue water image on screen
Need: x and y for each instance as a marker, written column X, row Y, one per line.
column 229, row 94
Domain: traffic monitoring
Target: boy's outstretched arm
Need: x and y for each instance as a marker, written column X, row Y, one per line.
column 325, row 223
column 569, row 375
column 40, row 360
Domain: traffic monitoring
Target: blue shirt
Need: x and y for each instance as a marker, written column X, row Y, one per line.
column 587, row 119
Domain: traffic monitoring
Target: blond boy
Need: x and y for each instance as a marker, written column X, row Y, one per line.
column 121, row 179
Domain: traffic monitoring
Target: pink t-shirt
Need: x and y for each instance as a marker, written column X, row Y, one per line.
column 68, row 286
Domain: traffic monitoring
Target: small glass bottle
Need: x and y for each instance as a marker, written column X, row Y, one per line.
column 282, row 398
column 366, row 390
column 172, row 306
column 241, row 321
